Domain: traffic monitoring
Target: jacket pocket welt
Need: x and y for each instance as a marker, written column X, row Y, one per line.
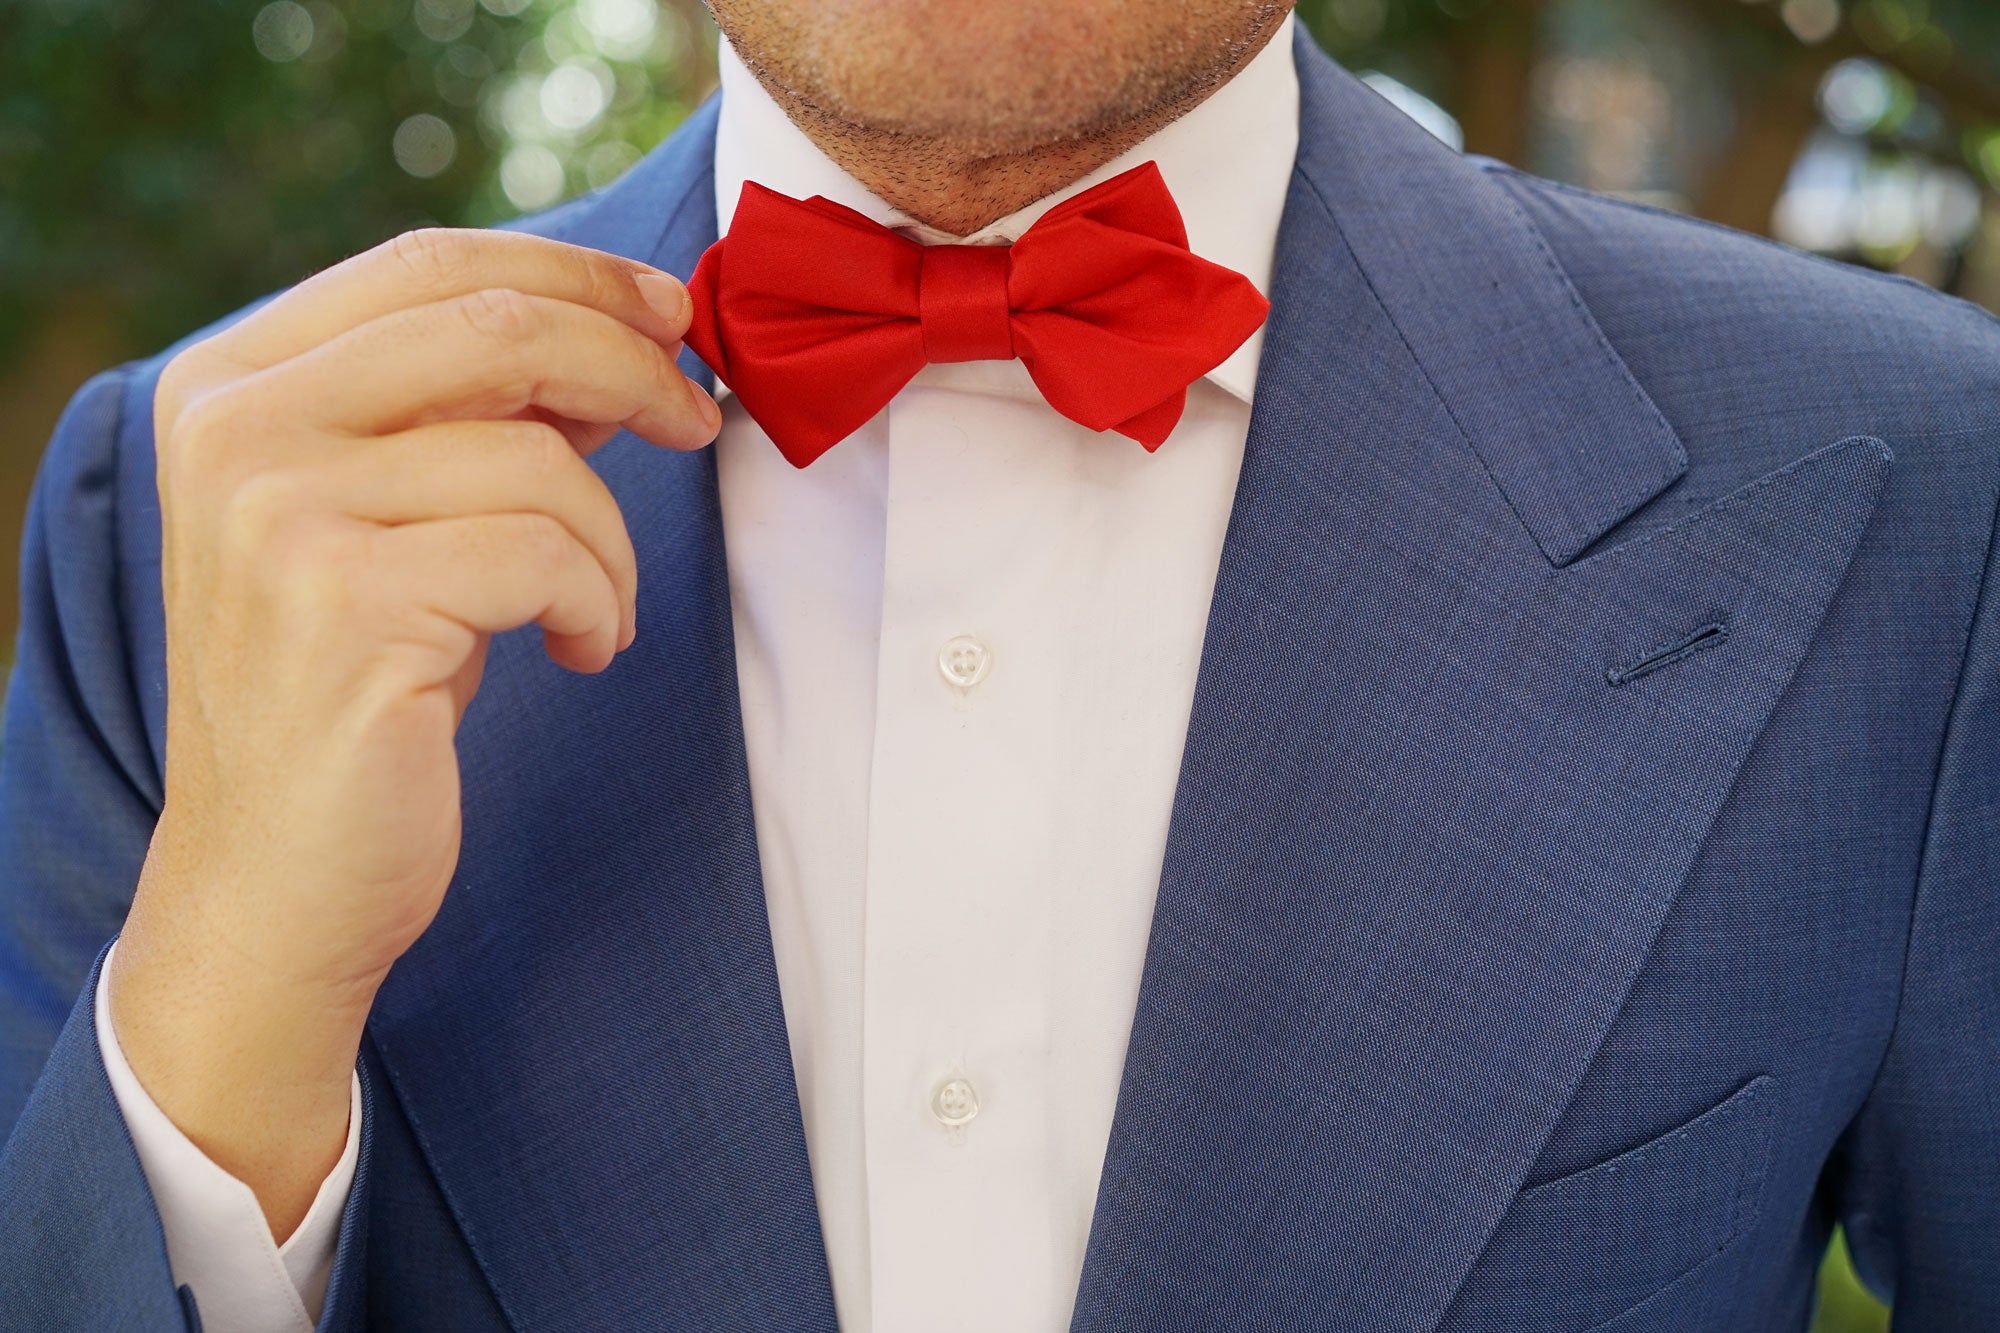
column 1577, row 1251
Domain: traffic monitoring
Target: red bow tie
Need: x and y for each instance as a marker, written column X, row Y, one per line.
column 815, row 316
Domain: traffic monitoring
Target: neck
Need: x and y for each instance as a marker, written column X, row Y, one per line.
column 958, row 185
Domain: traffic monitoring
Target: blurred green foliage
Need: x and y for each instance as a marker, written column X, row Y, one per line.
column 1415, row 37
column 1952, row 47
column 1844, row 1304
column 178, row 159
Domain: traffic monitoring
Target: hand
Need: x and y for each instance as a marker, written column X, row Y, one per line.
column 360, row 483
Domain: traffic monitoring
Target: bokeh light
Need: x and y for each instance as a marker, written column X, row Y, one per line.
column 532, row 176
column 444, row 20
column 622, row 29
column 1811, row 21
column 1984, row 149
column 282, row 31
column 575, row 94
column 424, row 145
column 1358, row 20
column 1857, row 95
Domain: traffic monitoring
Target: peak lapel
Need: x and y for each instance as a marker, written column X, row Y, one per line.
column 1488, row 315
column 1421, row 842
column 589, row 1039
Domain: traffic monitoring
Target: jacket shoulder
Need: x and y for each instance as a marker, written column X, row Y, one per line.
column 1758, row 354
column 1713, row 319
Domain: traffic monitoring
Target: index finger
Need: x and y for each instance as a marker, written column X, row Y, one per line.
column 439, row 263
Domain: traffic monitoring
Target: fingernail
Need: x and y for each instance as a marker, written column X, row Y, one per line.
column 666, row 296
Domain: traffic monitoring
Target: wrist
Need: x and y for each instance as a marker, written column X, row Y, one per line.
column 221, row 929
column 254, row 1068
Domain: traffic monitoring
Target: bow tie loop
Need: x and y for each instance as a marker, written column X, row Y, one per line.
column 962, row 303
column 816, row 316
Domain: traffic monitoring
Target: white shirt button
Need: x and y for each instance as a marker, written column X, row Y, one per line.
column 965, row 661
column 954, row 1102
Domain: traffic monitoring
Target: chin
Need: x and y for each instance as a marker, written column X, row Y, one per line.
column 1012, row 72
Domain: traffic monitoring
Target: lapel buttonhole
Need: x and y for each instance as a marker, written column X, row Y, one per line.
column 1708, row 636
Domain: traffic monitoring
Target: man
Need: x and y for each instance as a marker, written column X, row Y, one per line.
column 1477, row 810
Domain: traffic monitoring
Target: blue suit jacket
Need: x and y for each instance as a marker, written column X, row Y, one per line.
column 1583, row 886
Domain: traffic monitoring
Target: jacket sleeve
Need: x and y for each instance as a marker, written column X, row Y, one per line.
column 81, row 1246
column 218, row 1243
column 1921, row 1198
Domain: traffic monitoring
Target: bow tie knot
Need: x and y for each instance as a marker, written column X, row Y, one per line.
column 816, row 317
column 962, row 303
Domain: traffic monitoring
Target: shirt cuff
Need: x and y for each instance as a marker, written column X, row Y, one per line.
column 218, row 1243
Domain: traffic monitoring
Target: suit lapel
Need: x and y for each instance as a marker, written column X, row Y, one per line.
column 589, row 1040
column 1422, row 842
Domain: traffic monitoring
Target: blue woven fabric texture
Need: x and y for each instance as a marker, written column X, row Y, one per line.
column 1580, row 893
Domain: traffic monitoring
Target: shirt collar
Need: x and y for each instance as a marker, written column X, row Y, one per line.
column 1228, row 163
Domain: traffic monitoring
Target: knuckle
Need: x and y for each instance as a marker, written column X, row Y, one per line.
column 172, row 389
column 601, row 593
column 625, row 559
column 436, row 258
column 542, row 451
column 322, row 573
column 545, row 541
column 260, row 505
column 557, row 470
column 624, row 556
column 600, row 281
column 500, row 314
column 666, row 375
column 204, row 432
column 608, row 603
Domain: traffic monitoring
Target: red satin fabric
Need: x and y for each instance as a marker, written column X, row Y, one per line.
column 815, row 316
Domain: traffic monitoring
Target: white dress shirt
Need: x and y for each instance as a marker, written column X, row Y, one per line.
column 966, row 640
